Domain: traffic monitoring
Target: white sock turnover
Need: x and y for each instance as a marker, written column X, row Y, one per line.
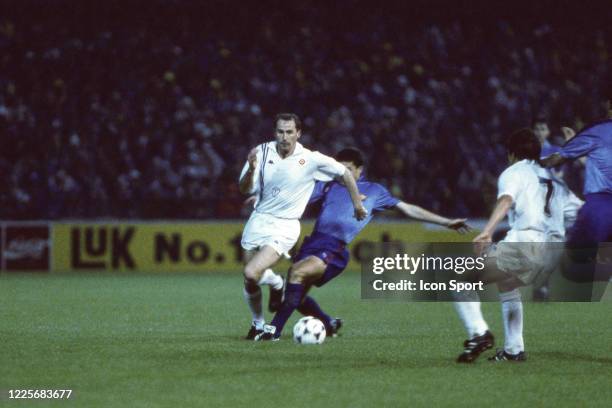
column 272, row 279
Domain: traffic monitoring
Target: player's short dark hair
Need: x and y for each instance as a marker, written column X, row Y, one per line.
column 287, row 117
column 351, row 155
column 524, row 144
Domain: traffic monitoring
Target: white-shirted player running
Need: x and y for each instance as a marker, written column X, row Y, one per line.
column 538, row 206
column 282, row 175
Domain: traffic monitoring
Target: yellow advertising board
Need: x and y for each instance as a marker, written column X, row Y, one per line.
column 193, row 246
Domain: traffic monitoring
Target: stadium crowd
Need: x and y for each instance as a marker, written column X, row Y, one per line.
column 153, row 117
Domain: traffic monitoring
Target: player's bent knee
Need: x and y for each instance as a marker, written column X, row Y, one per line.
column 304, row 275
column 509, row 284
column 298, row 275
column 252, row 274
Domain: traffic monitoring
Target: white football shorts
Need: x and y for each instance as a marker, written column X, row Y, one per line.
column 530, row 262
column 265, row 229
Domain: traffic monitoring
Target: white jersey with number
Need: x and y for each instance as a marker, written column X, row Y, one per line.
column 541, row 207
column 284, row 186
column 542, row 204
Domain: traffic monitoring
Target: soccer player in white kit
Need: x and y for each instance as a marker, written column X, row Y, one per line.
column 538, row 206
column 282, row 175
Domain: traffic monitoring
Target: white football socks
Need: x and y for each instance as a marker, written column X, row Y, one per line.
column 468, row 308
column 254, row 302
column 512, row 314
column 272, row 279
column 254, row 299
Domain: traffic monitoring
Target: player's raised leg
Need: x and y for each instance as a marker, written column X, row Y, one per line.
column 467, row 304
column 257, row 262
column 301, row 275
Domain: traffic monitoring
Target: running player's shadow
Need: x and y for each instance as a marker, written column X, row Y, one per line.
column 558, row 355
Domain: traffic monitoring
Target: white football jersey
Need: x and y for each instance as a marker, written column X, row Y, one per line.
column 284, row 186
column 542, row 204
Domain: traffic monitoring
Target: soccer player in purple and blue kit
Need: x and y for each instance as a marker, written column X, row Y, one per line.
column 594, row 222
column 542, row 132
column 323, row 255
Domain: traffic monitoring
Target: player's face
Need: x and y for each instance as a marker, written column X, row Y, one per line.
column 355, row 171
column 541, row 130
column 286, row 137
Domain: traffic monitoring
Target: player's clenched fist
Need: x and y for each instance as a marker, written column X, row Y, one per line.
column 252, row 158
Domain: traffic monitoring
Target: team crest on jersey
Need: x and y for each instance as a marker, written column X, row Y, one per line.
column 302, row 161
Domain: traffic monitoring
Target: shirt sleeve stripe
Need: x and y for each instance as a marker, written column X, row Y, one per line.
column 264, row 156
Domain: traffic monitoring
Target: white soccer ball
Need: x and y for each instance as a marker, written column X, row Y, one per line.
column 309, row 330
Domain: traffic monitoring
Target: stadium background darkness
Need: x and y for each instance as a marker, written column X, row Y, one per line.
column 148, row 109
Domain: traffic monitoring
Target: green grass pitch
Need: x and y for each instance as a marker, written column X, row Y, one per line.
column 175, row 341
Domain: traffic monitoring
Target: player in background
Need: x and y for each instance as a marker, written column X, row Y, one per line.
column 323, row 255
column 537, row 205
column 542, row 132
column 282, row 174
column 594, row 222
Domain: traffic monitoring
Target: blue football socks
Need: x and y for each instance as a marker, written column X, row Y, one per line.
column 310, row 307
column 293, row 297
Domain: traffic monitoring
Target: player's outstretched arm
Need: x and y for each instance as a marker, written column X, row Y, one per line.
column 553, row 160
column 502, row 207
column 421, row 214
column 569, row 134
column 247, row 179
column 360, row 211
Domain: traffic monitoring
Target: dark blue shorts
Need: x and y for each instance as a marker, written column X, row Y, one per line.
column 594, row 222
column 330, row 250
column 593, row 225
